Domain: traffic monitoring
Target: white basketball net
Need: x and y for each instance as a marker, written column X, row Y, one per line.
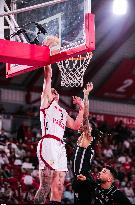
column 72, row 71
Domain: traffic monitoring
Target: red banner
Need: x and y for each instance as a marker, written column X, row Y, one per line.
column 121, row 84
column 113, row 119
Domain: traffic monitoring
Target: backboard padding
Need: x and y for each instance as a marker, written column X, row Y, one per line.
column 67, row 20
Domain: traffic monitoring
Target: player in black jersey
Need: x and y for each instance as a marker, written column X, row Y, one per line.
column 84, row 152
column 103, row 190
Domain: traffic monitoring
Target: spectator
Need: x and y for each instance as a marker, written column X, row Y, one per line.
column 3, row 136
column 104, row 191
column 68, row 195
column 129, row 192
column 21, row 133
column 124, row 158
column 108, row 152
column 2, row 109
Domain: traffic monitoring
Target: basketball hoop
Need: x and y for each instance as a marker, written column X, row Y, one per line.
column 73, row 69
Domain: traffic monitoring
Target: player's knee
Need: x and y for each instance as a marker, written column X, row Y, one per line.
column 58, row 190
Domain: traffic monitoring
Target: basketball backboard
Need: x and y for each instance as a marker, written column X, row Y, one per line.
column 69, row 20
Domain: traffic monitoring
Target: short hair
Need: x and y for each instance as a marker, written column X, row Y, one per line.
column 113, row 171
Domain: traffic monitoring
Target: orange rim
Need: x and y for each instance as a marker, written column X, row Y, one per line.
column 79, row 58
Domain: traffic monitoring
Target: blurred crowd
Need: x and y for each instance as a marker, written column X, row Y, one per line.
column 19, row 165
column 21, row 110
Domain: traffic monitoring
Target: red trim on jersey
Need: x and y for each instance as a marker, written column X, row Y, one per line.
column 53, row 137
column 47, row 136
column 42, row 109
column 45, row 162
column 58, row 108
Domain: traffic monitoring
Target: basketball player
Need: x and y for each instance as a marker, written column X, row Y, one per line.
column 51, row 149
column 84, row 152
column 104, row 191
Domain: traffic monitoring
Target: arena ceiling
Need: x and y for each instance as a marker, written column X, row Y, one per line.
column 112, row 68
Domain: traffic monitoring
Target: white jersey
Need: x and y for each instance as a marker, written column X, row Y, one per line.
column 53, row 120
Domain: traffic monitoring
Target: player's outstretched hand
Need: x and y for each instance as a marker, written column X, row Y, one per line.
column 78, row 101
column 88, row 89
column 81, row 177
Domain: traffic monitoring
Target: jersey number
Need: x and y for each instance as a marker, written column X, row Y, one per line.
column 46, row 126
column 61, row 116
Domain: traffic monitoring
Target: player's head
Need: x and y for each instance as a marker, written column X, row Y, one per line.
column 85, row 127
column 108, row 174
column 55, row 94
column 88, row 127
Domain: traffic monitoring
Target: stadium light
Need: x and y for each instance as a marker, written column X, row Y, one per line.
column 119, row 7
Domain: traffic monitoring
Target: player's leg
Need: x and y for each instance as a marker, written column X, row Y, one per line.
column 46, row 177
column 60, row 164
column 57, row 187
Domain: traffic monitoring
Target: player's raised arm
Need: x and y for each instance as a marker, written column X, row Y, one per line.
column 46, row 96
column 75, row 124
column 86, row 91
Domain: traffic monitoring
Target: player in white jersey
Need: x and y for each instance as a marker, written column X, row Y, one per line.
column 51, row 149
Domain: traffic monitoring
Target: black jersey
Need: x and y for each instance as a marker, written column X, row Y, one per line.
column 108, row 196
column 82, row 165
column 82, row 159
column 100, row 195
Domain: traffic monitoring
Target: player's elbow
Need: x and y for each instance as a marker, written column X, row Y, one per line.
column 76, row 126
column 73, row 124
